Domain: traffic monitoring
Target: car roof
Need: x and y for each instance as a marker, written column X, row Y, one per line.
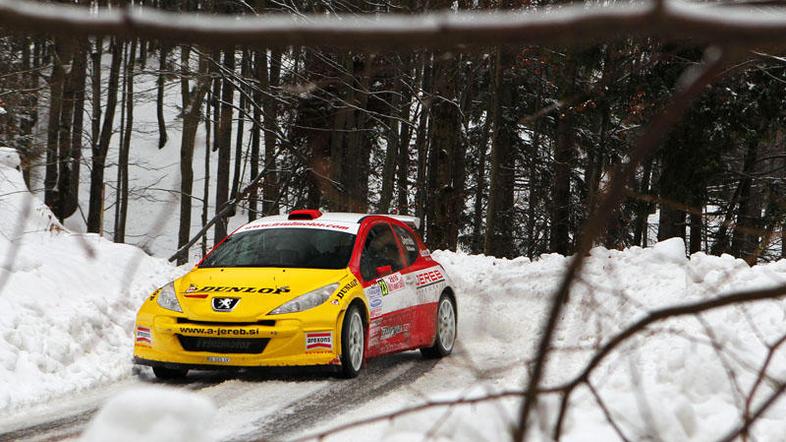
column 352, row 220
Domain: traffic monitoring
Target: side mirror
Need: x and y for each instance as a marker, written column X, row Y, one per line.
column 384, row 270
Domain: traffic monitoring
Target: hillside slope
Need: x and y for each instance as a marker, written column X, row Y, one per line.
column 67, row 301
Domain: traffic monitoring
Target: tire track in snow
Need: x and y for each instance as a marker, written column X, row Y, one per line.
column 70, row 423
column 381, row 376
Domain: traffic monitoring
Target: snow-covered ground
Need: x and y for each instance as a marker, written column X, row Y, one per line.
column 169, row 415
column 67, row 304
column 67, row 301
column 670, row 382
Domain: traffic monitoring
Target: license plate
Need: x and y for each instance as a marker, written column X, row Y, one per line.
column 217, row 359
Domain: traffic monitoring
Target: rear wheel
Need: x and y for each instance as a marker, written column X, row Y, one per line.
column 168, row 374
column 353, row 345
column 446, row 329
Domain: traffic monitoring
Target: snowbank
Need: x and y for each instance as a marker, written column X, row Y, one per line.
column 153, row 414
column 670, row 382
column 67, row 301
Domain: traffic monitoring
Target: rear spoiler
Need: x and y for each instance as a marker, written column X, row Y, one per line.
column 411, row 221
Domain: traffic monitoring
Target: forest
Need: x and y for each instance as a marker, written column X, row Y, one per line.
column 503, row 150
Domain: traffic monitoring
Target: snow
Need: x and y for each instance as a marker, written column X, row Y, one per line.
column 9, row 157
column 67, row 301
column 154, row 414
column 670, row 383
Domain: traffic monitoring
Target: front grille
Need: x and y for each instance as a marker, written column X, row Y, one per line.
column 223, row 345
column 267, row 322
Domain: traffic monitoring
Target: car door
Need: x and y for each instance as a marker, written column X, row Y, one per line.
column 391, row 300
column 425, row 278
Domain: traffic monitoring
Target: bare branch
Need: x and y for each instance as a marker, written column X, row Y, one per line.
column 667, row 20
column 693, row 84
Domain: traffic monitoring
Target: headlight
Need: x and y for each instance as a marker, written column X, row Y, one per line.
column 168, row 299
column 307, row 301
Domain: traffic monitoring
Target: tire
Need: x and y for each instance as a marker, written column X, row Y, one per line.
column 169, row 374
column 353, row 345
column 446, row 329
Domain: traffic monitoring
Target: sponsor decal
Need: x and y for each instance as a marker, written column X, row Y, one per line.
column 389, row 332
column 391, row 283
column 425, row 253
column 215, row 331
column 335, row 302
column 223, row 359
column 232, row 289
column 430, row 277
column 374, row 295
column 191, row 288
column 143, row 336
column 409, row 243
column 344, row 290
column 224, row 304
column 309, row 224
column 383, row 287
column 319, row 341
column 374, row 291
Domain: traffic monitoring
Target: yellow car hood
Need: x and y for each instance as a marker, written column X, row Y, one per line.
column 258, row 290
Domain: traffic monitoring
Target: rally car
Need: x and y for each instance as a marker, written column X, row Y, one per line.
column 307, row 288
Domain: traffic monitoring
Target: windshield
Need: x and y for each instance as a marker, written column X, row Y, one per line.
column 300, row 248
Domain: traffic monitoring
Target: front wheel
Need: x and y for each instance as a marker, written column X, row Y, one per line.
column 353, row 345
column 446, row 329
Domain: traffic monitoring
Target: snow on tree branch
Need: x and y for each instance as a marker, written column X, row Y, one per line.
column 567, row 25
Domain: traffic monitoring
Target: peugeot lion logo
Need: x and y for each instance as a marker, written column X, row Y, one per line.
column 224, row 304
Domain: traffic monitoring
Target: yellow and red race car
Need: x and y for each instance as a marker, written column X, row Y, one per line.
column 305, row 288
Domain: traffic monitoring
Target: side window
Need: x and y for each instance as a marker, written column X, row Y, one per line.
column 379, row 250
column 411, row 251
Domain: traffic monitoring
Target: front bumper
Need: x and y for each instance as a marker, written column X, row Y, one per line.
column 179, row 343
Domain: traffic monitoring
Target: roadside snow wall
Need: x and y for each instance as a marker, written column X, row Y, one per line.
column 67, row 301
column 668, row 383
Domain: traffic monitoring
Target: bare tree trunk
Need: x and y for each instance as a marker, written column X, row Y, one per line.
column 162, row 67
column 499, row 214
column 696, row 231
column 192, row 105
column 260, row 68
column 70, row 184
column 391, row 151
column 95, row 215
column 95, row 93
column 747, row 211
column 403, row 150
column 121, row 209
column 270, row 186
column 206, row 185
column 56, row 86
column 480, row 189
column 339, row 158
column 640, row 229
column 421, row 144
column 563, row 160
column 224, row 144
column 245, row 72
column 66, row 149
